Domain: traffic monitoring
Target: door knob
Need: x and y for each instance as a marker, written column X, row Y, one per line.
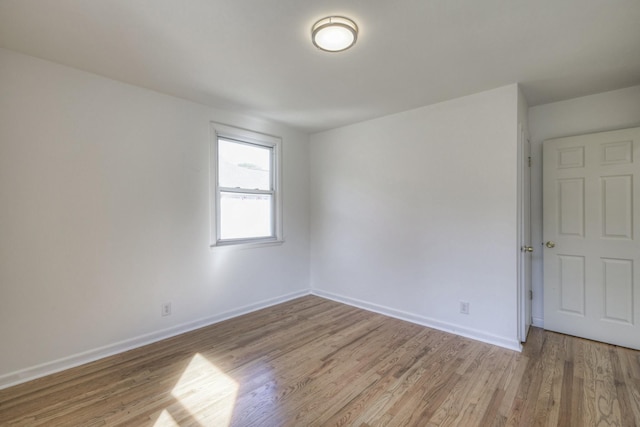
column 550, row 244
column 527, row 249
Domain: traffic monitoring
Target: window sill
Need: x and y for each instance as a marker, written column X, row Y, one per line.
column 245, row 245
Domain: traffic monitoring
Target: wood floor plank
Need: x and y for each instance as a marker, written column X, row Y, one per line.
column 316, row 362
column 387, row 369
column 622, row 394
column 512, row 383
column 454, row 407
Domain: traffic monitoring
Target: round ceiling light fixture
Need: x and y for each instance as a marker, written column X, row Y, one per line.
column 334, row 33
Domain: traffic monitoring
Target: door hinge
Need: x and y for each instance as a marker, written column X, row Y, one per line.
column 529, row 160
column 530, row 294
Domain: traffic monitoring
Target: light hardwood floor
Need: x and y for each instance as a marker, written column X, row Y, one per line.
column 314, row 362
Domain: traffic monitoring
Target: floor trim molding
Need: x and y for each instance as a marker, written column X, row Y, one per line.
column 48, row 368
column 537, row 322
column 424, row 321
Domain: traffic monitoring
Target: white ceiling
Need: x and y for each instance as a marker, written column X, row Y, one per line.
column 256, row 56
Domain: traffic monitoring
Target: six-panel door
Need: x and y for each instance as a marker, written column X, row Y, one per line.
column 591, row 215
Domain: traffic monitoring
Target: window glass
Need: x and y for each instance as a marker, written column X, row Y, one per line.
column 244, row 165
column 245, row 215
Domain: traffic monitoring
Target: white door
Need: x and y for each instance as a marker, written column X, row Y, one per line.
column 591, row 215
column 524, row 264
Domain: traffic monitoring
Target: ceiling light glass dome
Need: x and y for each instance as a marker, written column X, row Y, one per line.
column 334, row 33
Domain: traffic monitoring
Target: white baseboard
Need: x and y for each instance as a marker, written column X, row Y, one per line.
column 31, row 373
column 537, row 322
column 511, row 344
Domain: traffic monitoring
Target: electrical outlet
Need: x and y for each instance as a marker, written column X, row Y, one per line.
column 464, row 307
column 166, row 309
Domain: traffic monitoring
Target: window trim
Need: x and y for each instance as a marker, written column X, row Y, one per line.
column 249, row 137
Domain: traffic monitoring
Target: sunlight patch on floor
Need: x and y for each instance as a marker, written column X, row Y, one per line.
column 204, row 395
column 166, row 420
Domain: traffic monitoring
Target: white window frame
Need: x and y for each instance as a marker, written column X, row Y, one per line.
column 245, row 136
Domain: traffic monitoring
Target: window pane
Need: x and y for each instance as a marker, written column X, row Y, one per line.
column 244, row 166
column 245, row 215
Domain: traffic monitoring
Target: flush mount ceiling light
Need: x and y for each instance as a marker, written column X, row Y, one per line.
column 334, row 33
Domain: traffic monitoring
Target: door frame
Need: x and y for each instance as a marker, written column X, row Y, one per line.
column 524, row 234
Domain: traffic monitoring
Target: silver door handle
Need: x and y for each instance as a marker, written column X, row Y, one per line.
column 550, row 244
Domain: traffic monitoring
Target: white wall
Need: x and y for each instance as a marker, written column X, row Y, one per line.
column 105, row 216
column 617, row 109
column 414, row 212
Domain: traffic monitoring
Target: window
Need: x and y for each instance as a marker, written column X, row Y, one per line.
column 245, row 182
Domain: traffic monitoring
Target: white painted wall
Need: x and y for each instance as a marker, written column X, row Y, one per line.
column 414, row 212
column 612, row 110
column 105, row 216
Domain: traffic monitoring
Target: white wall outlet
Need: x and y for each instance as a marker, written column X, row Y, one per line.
column 464, row 307
column 166, row 309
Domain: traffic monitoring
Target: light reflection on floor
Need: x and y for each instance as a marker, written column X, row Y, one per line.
column 166, row 420
column 204, row 395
